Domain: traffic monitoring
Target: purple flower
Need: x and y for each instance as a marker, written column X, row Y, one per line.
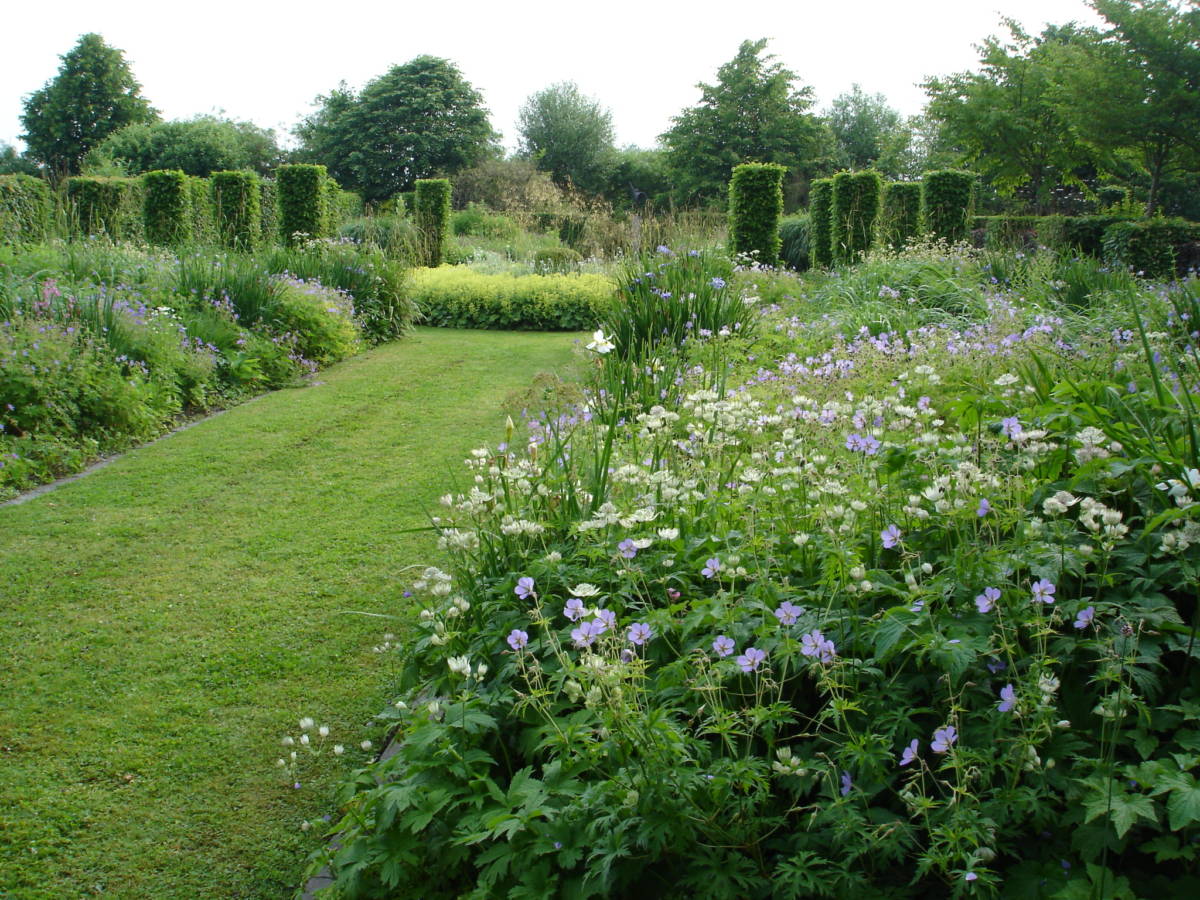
column 517, row 639
column 1011, row 427
column 524, row 587
column 574, row 610
column 863, row 443
column 587, row 632
column 816, row 644
column 987, row 600
column 1084, row 617
column 627, row 549
column 918, row 606
column 1043, row 591
column 984, row 507
column 750, row 660
column 890, row 537
column 996, row 665
column 722, row 646
column 639, row 633
column 711, row 568
column 910, row 752
column 1008, row 699
column 847, row 783
column 944, row 738
column 718, row 283
column 970, row 876
column 607, row 617
column 787, row 613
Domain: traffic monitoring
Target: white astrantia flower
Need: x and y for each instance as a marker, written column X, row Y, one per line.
column 583, row 590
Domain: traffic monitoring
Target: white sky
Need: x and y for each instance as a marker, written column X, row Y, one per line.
column 265, row 61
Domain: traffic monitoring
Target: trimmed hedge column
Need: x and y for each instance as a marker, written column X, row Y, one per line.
column 853, row 213
column 25, row 208
column 167, row 207
column 946, row 203
column 108, row 206
column 820, row 229
column 302, row 201
column 900, row 219
column 268, row 201
column 432, row 214
column 755, row 206
column 237, row 208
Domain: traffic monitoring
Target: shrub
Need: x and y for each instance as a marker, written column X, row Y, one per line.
column 900, row 217
column 820, row 205
column 395, row 236
column 946, row 204
column 755, row 205
column 1010, row 232
column 342, row 206
column 167, row 205
column 111, row 207
column 26, row 203
column 319, row 320
column 268, row 201
column 431, row 212
column 1158, row 248
column 303, row 202
column 204, row 222
column 460, row 298
column 853, row 214
column 794, row 234
column 477, row 219
column 1085, row 233
column 237, row 209
column 556, row 259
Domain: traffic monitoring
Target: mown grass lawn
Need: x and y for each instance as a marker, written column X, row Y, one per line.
column 166, row 619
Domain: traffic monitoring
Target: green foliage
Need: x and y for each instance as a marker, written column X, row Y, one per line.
column 820, row 209
column 1085, row 232
column 204, row 217
column 167, row 208
column 268, row 201
column 93, row 95
column 14, row 163
column 198, row 146
column 321, row 319
column 460, row 298
column 556, row 259
column 303, row 202
column 417, row 121
column 568, row 135
column 1010, row 232
column 477, row 219
column 794, row 241
column 900, row 215
column 1157, row 248
column 26, row 204
column 237, row 209
column 396, row 236
column 946, row 198
column 755, row 112
column 342, row 205
column 854, row 211
column 111, row 207
column 431, row 212
column 869, row 133
column 755, row 205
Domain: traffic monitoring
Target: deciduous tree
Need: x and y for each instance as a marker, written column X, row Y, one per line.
column 568, row 135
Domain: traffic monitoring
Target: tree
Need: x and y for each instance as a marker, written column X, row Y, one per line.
column 198, row 146
column 568, row 135
column 1135, row 87
column 420, row 120
column 754, row 113
column 13, row 163
column 1006, row 120
column 870, row 134
column 93, row 95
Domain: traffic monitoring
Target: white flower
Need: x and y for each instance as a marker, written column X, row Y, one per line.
column 304, row 739
column 600, row 343
column 323, row 731
column 306, row 724
column 584, row 590
column 459, row 665
column 366, row 745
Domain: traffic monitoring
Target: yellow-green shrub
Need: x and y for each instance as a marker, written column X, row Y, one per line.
column 461, row 298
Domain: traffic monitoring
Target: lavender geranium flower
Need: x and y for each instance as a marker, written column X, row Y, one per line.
column 890, row 536
column 1084, row 617
column 1011, row 427
column 1043, row 591
column 524, row 587
column 574, row 610
column 787, row 613
column 627, row 549
column 750, row 660
column 943, row 739
column 711, row 567
column 722, row 646
column 986, row 601
column 639, row 632
column 1008, row 699
column 910, row 752
column 518, row 639
column 817, row 645
column 984, row 507
column 847, row 783
column 585, row 634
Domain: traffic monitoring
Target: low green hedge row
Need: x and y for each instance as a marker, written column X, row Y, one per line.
column 461, row 298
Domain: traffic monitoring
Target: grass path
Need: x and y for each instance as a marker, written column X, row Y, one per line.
column 166, row 619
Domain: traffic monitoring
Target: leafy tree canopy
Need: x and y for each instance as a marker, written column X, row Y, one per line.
column 93, row 95
column 198, row 146
column 754, row 113
column 568, row 135
column 870, row 133
column 13, row 163
column 419, row 120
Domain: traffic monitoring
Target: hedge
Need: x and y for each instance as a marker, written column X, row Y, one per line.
column 431, row 210
column 900, row 216
column 854, row 210
column 462, row 298
column 946, row 203
column 268, row 203
column 103, row 206
column 755, row 206
column 820, row 201
column 237, row 209
column 302, row 199
column 794, row 235
column 167, row 207
column 26, row 205
column 1158, row 248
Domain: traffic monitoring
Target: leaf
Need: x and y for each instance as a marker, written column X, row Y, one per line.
column 1183, row 806
column 1125, row 809
column 1166, row 848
